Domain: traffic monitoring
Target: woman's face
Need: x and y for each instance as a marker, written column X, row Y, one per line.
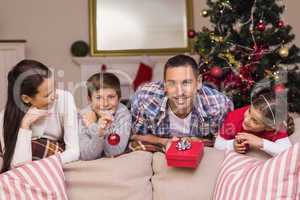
column 45, row 96
column 253, row 121
column 105, row 99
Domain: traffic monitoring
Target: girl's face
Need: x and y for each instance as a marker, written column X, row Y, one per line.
column 105, row 99
column 45, row 96
column 253, row 121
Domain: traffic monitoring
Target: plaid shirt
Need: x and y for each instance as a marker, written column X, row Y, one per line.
column 149, row 111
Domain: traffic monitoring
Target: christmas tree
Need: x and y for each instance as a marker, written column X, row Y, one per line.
column 249, row 42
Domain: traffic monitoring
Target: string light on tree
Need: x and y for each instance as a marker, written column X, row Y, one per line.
column 204, row 13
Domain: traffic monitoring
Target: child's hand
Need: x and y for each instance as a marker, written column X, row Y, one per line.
column 251, row 139
column 105, row 121
column 32, row 116
column 239, row 146
column 89, row 118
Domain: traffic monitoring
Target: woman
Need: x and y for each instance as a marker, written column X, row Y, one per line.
column 38, row 119
column 262, row 125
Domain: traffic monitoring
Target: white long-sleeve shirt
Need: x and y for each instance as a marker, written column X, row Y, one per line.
column 272, row 148
column 60, row 124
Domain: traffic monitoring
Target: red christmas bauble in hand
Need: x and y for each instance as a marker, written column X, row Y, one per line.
column 216, row 71
column 191, row 33
column 280, row 24
column 279, row 88
column 261, row 26
column 113, row 139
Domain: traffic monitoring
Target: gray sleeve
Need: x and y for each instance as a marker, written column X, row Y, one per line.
column 91, row 145
column 123, row 128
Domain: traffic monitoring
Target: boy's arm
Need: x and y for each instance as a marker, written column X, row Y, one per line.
column 91, row 144
column 122, row 126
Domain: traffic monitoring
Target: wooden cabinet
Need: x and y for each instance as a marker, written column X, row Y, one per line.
column 11, row 52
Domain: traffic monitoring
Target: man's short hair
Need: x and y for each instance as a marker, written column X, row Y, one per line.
column 103, row 80
column 182, row 60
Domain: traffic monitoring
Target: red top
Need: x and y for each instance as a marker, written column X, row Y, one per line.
column 232, row 125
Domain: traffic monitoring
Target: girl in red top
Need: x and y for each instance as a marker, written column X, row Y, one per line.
column 262, row 125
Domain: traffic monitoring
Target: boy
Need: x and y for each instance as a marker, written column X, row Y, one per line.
column 104, row 116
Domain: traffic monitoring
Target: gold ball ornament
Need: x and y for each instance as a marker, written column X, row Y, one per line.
column 204, row 13
column 221, row 39
column 283, row 52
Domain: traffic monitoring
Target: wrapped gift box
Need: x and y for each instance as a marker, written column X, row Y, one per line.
column 189, row 158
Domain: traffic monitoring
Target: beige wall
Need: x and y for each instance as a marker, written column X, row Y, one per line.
column 51, row 26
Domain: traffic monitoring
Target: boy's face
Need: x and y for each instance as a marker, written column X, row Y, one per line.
column 105, row 99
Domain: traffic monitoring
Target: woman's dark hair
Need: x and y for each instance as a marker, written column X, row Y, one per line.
column 274, row 109
column 103, row 80
column 23, row 79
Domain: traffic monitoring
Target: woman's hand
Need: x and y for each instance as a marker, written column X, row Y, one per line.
column 89, row 118
column 250, row 139
column 32, row 116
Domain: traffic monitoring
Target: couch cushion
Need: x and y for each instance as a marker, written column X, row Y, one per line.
column 124, row 177
column 180, row 183
column 295, row 137
column 244, row 177
column 40, row 180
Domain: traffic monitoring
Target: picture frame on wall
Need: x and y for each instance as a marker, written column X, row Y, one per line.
column 139, row 27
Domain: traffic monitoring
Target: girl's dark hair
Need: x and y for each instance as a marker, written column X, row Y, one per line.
column 23, row 79
column 103, row 80
column 274, row 109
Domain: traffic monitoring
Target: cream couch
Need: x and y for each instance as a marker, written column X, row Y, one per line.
column 145, row 176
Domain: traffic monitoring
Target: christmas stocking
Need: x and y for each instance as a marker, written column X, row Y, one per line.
column 143, row 75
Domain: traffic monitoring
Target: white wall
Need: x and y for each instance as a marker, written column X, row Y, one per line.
column 51, row 26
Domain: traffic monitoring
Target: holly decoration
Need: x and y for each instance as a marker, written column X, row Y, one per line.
column 103, row 68
column 113, row 139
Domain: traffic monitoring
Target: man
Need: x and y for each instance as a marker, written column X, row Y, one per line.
column 179, row 106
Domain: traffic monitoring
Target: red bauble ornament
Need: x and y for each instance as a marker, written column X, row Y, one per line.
column 261, row 26
column 279, row 88
column 216, row 71
column 113, row 139
column 191, row 33
column 280, row 24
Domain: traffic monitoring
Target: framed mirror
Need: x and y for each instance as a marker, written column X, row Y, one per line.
column 139, row 27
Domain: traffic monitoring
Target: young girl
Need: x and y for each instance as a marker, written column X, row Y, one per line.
column 261, row 125
column 105, row 115
column 38, row 120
